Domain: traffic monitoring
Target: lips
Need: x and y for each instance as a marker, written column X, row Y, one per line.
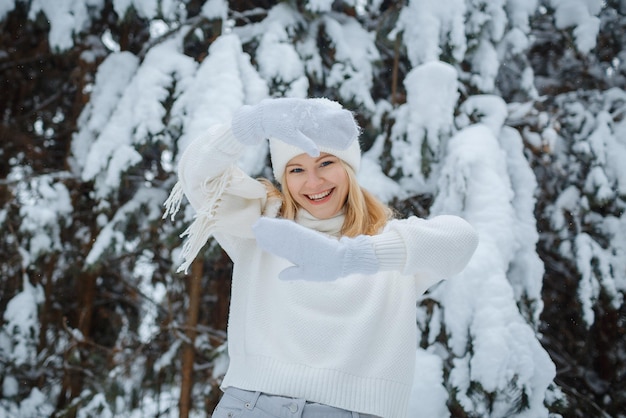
column 319, row 196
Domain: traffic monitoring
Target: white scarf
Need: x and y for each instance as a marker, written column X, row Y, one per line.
column 331, row 226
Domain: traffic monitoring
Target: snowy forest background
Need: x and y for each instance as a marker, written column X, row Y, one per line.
column 510, row 113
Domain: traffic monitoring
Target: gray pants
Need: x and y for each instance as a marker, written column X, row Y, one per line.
column 237, row 403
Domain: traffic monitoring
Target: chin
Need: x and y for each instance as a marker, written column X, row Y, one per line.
column 323, row 214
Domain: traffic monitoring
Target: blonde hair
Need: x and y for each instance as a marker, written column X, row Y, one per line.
column 365, row 214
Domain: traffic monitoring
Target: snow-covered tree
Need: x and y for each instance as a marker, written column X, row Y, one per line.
column 509, row 113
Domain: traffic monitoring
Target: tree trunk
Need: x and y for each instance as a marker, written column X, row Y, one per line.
column 195, row 280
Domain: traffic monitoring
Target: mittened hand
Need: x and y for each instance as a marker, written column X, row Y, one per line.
column 316, row 257
column 305, row 123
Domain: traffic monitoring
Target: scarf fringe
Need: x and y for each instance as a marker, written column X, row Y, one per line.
column 197, row 234
column 203, row 226
column 173, row 202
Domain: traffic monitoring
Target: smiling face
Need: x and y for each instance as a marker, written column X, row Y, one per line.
column 317, row 184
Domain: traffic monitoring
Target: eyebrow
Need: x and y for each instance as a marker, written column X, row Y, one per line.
column 316, row 160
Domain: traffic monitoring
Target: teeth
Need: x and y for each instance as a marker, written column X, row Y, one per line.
column 319, row 195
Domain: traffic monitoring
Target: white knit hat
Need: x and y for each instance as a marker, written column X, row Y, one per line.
column 281, row 153
column 296, row 126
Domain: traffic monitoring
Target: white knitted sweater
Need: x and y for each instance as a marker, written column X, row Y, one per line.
column 348, row 343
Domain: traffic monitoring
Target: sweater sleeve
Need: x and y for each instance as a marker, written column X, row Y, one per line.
column 224, row 198
column 431, row 249
column 206, row 159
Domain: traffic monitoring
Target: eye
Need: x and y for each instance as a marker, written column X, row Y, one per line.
column 326, row 163
column 296, row 170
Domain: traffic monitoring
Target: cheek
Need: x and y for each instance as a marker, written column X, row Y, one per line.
column 345, row 185
column 292, row 185
column 341, row 179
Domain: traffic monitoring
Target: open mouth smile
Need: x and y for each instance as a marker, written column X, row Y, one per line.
column 319, row 197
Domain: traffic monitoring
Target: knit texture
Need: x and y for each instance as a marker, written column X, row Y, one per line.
column 295, row 126
column 390, row 250
column 324, row 258
column 205, row 171
column 348, row 343
column 305, row 123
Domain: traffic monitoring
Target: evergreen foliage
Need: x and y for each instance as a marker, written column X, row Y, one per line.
column 509, row 113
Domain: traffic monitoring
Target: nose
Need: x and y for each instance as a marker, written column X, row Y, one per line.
column 313, row 179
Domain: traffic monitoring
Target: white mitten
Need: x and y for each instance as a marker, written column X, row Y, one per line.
column 316, row 256
column 305, row 123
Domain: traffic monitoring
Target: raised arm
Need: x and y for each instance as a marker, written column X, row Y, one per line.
column 431, row 250
column 434, row 249
column 208, row 172
column 206, row 159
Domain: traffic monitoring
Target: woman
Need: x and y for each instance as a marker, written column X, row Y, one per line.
column 325, row 283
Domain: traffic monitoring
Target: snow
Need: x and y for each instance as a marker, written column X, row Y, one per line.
column 319, row 5
column 465, row 156
column 136, row 116
column 224, row 81
column 46, row 206
column 616, row 229
column 372, row 178
column 608, row 147
column 144, row 8
column 429, row 395
column 19, row 334
column 153, row 293
column 111, row 79
column 111, row 235
column 5, row 7
column 278, row 59
column 10, row 387
column 66, row 18
column 215, row 9
column 355, row 51
column 424, row 123
column 35, row 405
column 525, row 272
column 426, row 23
column 432, row 92
column 221, row 361
column 514, row 42
column 486, row 64
column 475, row 184
column 582, row 15
column 595, row 265
column 97, row 403
column 526, row 269
column 598, row 150
column 519, row 12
